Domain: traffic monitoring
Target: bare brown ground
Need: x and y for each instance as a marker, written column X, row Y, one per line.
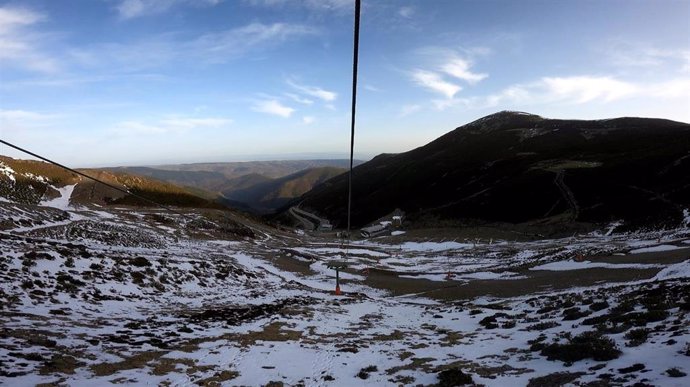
column 537, row 281
column 661, row 257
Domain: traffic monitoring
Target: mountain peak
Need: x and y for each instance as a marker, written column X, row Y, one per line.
column 508, row 113
column 505, row 117
column 515, row 167
column 503, row 120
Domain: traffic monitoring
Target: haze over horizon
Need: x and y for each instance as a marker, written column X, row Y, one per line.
column 142, row 82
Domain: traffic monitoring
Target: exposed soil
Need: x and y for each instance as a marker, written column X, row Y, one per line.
column 537, row 281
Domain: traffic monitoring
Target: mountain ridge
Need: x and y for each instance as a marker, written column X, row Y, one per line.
column 245, row 185
column 30, row 182
column 512, row 167
column 274, row 193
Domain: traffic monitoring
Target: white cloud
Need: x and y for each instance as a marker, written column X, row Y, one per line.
column 273, row 107
column 127, row 128
column 308, row 120
column 371, row 88
column 297, row 98
column 313, row 5
column 454, row 62
column 572, row 90
column 19, row 46
column 512, row 94
column 679, row 57
column 406, row 110
column 313, row 91
column 446, row 63
column 406, row 12
column 23, row 115
column 625, row 54
column 195, row 123
column 174, row 124
column 581, row 89
column 129, row 9
column 435, row 82
column 676, row 88
column 145, row 54
column 460, row 68
column 13, row 18
column 16, row 120
column 132, row 8
column 160, row 50
column 220, row 47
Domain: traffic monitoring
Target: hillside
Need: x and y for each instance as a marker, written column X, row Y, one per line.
column 33, row 182
column 517, row 167
column 29, row 181
column 271, row 169
column 253, row 186
column 208, row 183
column 155, row 190
column 140, row 296
column 270, row 194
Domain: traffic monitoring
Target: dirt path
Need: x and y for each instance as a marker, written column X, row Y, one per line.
column 567, row 194
column 536, row 281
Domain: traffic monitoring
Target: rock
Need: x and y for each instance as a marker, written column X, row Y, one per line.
column 453, row 377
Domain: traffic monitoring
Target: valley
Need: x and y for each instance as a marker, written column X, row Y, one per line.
column 95, row 294
column 259, row 187
column 344, row 193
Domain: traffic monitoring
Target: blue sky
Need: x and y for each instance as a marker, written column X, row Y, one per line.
column 125, row 82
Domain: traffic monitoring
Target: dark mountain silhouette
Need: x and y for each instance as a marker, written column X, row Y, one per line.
column 517, row 167
column 243, row 182
column 270, row 194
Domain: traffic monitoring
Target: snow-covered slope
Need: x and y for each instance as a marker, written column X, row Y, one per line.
column 98, row 297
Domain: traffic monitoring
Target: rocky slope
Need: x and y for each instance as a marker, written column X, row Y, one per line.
column 34, row 182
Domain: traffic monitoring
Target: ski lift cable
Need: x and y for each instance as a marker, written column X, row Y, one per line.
column 355, row 59
column 355, row 56
column 96, row 180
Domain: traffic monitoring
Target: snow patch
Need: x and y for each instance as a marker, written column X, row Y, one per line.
column 480, row 275
column 61, row 202
column 489, row 275
column 434, row 246
column 655, row 249
column 613, row 226
column 7, row 171
column 574, row 265
column 679, row 270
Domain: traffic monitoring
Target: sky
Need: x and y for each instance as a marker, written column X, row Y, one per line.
column 143, row 82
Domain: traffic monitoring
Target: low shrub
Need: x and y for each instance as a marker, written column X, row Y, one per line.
column 585, row 345
column 453, row 377
column 636, row 337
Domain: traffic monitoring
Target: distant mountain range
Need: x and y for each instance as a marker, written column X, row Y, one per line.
column 506, row 168
column 255, row 186
column 271, row 169
column 516, row 167
column 30, row 182
column 260, row 187
column 265, row 195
